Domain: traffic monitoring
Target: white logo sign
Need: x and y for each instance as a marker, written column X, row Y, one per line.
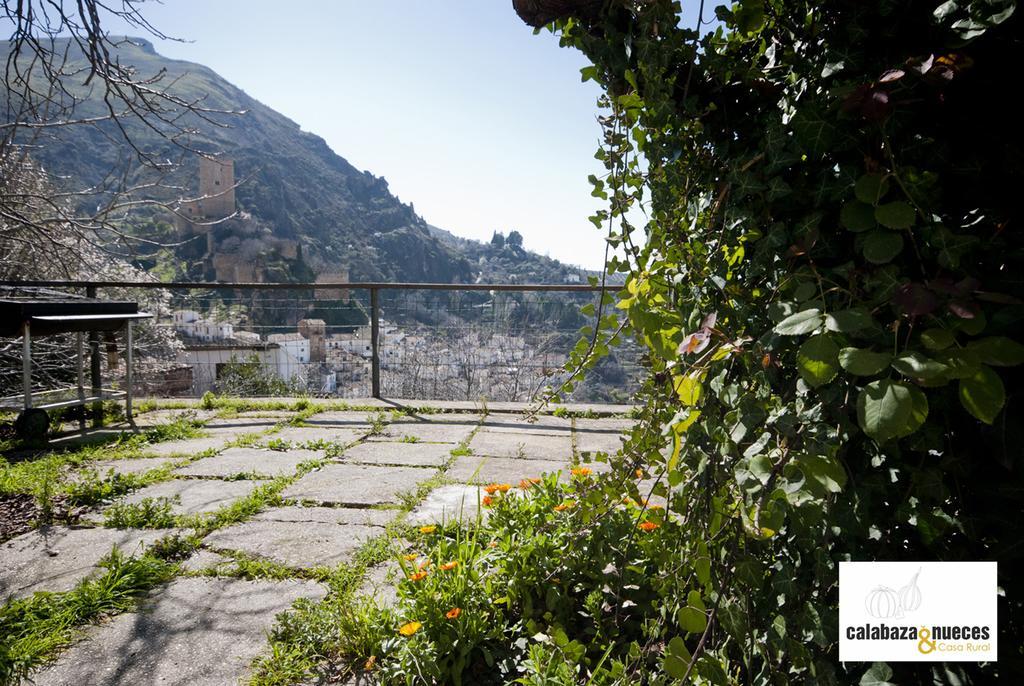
column 917, row 611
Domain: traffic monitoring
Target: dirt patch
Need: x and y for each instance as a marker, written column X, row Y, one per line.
column 19, row 512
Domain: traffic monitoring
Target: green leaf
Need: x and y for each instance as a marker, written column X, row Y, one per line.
column 857, row 217
column 895, row 215
column 998, row 351
column 824, row 471
column 937, row 339
column 915, row 365
column 983, row 394
column 854, row 319
column 878, row 675
column 871, row 188
column 881, row 246
column 799, row 323
column 884, row 409
column 817, row 360
column 863, row 362
column 749, row 16
column 688, row 388
column 691, row 619
column 918, row 411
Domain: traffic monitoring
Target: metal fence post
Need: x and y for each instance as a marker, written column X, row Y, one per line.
column 375, row 342
column 95, row 374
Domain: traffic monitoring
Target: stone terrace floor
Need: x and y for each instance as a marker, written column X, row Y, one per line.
column 205, row 627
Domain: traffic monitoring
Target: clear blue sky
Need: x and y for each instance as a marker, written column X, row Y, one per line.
column 478, row 122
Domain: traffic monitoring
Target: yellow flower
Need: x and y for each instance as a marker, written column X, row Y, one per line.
column 639, row 473
column 428, row 529
column 370, row 663
column 449, row 565
column 410, row 628
column 504, row 488
column 410, row 557
column 491, row 489
column 648, row 526
column 567, row 505
column 453, row 613
column 581, row 471
column 417, row 576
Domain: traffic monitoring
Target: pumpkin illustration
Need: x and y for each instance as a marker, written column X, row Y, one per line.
column 910, row 595
column 882, row 603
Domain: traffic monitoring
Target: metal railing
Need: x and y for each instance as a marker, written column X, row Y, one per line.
column 413, row 340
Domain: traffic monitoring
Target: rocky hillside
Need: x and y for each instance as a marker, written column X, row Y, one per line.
column 291, row 183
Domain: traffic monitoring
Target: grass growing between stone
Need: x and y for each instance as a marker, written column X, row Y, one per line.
column 32, row 630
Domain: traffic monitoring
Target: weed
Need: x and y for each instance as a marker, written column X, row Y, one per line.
column 149, row 513
column 35, row 628
column 409, row 439
column 377, row 422
column 278, row 444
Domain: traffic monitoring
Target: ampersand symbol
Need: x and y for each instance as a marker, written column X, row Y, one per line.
column 924, row 646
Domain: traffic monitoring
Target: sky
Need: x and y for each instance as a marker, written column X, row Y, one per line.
column 478, row 122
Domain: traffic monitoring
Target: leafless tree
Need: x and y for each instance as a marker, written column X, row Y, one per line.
column 59, row 57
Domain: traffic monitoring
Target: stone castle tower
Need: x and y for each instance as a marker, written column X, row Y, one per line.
column 216, row 187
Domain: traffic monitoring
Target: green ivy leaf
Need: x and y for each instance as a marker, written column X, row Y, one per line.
column 937, row 339
column 884, row 409
column 878, row 675
column 998, row 351
column 823, row 471
column 881, row 246
column 691, row 619
column 915, row 365
column 799, row 323
column 857, row 217
column 983, row 394
column 854, row 319
column 677, row 658
column 918, row 411
column 895, row 215
column 871, row 188
column 863, row 362
column 817, row 360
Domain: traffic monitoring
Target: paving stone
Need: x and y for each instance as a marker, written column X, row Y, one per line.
column 195, row 632
column 327, row 515
column 411, row 454
column 447, row 503
column 298, row 544
column 342, row 419
column 615, row 425
column 238, row 425
column 429, row 431
column 542, row 424
column 187, row 446
column 484, row 470
column 521, row 444
column 351, row 484
column 57, row 558
column 196, row 496
column 598, row 441
column 202, row 560
column 298, row 435
column 266, row 414
column 269, row 463
column 379, row 584
column 125, row 467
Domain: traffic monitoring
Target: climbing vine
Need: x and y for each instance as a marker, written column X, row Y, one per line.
column 815, row 207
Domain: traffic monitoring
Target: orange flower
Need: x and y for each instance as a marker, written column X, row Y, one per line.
column 417, row 576
column 426, row 563
column 581, row 471
column 639, row 473
column 491, row 489
column 648, row 526
column 449, row 565
column 428, row 529
column 567, row 505
column 525, row 484
column 410, row 628
column 504, row 487
column 492, row 544
column 410, row 557
column 453, row 613
column 370, row 663
column 487, row 501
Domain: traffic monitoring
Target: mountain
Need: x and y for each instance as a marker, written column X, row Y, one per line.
column 293, row 191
